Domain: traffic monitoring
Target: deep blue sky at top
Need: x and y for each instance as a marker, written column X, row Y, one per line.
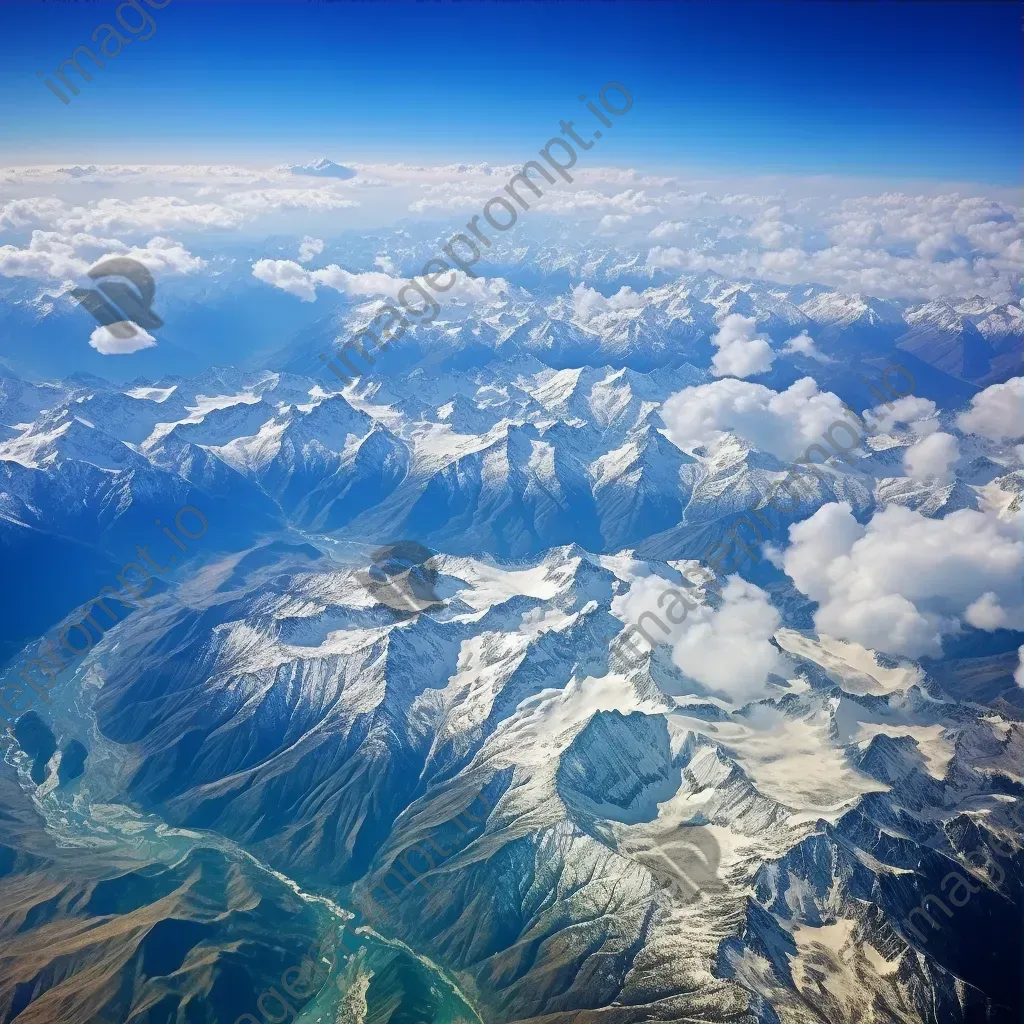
column 900, row 90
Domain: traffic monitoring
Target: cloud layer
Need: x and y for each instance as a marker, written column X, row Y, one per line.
column 892, row 244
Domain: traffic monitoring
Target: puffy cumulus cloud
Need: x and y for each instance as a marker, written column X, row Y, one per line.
column 742, row 352
column 257, row 202
column 629, row 176
column 163, row 255
column 108, row 344
column 918, row 414
column 288, row 276
column 610, row 223
column 803, row 345
column 890, row 245
column 148, row 213
column 902, row 582
column 997, row 412
column 369, row 283
column 630, row 203
column 774, row 230
column 161, row 213
column 727, row 649
column 934, row 226
column 696, row 261
column 50, row 255
column 783, row 423
column 1018, row 676
column 588, row 303
column 199, row 174
column 36, row 212
column 296, row 280
column 455, row 196
column 472, row 194
column 932, row 458
column 47, row 255
column 310, row 247
column 667, row 229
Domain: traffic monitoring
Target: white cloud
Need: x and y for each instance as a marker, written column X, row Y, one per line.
column 462, row 195
column 610, row 223
column 148, row 213
column 919, row 414
column 48, row 255
column 773, row 229
column 783, row 423
column 932, row 458
column 286, row 275
column 166, row 212
column 997, row 412
column 742, row 352
column 630, row 203
column 310, row 247
column 1018, row 676
column 296, row 280
column 891, row 244
column 108, row 344
column 588, row 303
column 667, row 228
column 803, row 345
column 290, row 277
column 37, row 212
column 726, row 649
column 52, row 256
column 163, row 255
column 370, row 283
column 903, row 581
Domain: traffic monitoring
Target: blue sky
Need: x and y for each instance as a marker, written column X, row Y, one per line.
column 900, row 90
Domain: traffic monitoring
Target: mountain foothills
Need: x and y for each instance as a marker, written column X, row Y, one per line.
column 256, row 749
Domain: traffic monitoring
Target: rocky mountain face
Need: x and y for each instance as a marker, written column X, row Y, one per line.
column 93, row 937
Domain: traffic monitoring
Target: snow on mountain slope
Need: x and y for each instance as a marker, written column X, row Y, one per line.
column 509, row 459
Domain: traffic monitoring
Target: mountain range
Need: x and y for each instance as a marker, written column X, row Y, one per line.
column 265, row 743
